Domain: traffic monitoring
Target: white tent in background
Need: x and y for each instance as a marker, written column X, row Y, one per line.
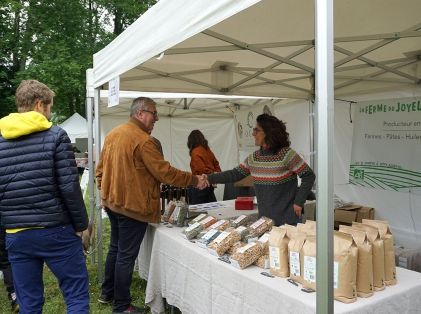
column 76, row 127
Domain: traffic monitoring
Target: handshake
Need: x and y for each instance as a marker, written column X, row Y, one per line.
column 203, row 182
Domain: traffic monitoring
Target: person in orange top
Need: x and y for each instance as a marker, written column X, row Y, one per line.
column 202, row 161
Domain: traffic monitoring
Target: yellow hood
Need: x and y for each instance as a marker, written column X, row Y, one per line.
column 18, row 124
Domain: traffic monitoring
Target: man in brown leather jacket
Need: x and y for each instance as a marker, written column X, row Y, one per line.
column 129, row 173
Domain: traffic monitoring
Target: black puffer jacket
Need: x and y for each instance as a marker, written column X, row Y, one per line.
column 39, row 182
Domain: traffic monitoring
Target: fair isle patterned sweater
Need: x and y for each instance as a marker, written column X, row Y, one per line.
column 275, row 182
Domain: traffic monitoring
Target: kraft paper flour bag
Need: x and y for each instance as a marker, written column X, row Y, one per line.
column 295, row 246
column 308, row 262
column 278, row 252
column 344, row 267
column 389, row 249
column 365, row 286
column 378, row 253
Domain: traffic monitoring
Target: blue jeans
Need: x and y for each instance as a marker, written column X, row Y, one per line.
column 126, row 236
column 61, row 249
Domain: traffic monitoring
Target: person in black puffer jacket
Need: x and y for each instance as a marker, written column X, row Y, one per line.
column 41, row 204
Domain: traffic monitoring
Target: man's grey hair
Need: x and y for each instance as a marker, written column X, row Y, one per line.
column 139, row 104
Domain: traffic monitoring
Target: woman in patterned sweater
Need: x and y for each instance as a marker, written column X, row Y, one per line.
column 274, row 169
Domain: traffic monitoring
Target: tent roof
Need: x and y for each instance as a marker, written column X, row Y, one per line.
column 266, row 48
column 186, row 105
column 75, row 127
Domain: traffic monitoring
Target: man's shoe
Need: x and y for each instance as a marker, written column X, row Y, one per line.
column 14, row 304
column 103, row 299
column 132, row 310
column 15, row 307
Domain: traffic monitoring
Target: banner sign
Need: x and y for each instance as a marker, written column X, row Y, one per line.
column 245, row 121
column 386, row 145
column 113, row 91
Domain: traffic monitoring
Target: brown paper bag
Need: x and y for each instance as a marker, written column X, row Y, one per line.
column 290, row 229
column 344, row 267
column 389, row 249
column 308, row 262
column 278, row 252
column 378, row 253
column 311, row 225
column 295, row 246
column 308, row 229
column 364, row 262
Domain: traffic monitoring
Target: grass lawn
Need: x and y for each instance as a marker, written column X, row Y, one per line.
column 54, row 303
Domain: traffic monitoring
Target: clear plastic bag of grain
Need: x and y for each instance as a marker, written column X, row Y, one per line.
column 223, row 242
column 260, row 226
column 197, row 219
column 235, row 247
column 207, row 222
column 246, row 255
column 263, row 262
column 193, row 230
column 220, row 225
column 263, row 241
column 240, row 221
column 169, row 209
column 243, row 231
column 208, row 237
column 182, row 213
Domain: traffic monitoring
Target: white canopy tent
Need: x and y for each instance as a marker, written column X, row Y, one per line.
column 266, row 48
column 76, row 127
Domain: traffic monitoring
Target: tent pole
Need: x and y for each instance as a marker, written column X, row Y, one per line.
column 89, row 116
column 98, row 200
column 312, row 130
column 91, row 184
column 324, row 158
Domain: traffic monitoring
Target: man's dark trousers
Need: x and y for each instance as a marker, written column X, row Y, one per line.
column 126, row 236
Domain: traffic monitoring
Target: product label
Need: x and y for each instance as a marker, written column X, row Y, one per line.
column 274, row 257
column 239, row 219
column 192, row 227
column 243, row 249
column 208, row 235
column 217, row 224
column 258, row 223
column 264, row 238
column 207, row 220
column 310, row 268
column 175, row 214
column 335, row 275
column 294, row 263
column 221, row 237
column 199, row 218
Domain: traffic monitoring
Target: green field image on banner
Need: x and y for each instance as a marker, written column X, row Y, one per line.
column 383, row 177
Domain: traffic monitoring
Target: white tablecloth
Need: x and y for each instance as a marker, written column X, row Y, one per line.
column 197, row 282
column 227, row 210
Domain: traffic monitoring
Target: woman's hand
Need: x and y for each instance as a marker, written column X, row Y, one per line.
column 298, row 210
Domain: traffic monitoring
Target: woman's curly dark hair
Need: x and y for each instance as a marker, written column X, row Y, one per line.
column 195, row 139
column 276, row 135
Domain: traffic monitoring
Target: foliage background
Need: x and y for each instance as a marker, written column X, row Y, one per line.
column 53, row 41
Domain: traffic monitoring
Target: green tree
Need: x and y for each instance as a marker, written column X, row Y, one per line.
column 53, row 41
